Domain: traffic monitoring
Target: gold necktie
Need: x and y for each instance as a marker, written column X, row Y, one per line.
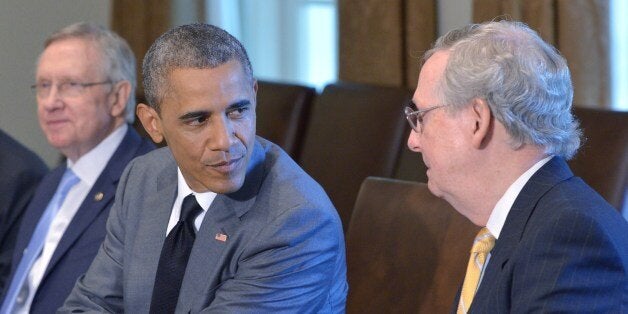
column 482, row 245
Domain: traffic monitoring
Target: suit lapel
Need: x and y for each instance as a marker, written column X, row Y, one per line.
column 92, row 205
column 150, row 235
column 553, row 172
column 222, row 218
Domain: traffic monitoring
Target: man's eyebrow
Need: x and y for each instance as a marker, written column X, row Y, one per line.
column 239, row 104
column 204, row 113
column 194, row 115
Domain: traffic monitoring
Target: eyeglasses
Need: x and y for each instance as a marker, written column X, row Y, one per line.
column 415, row 118
column 65, row 89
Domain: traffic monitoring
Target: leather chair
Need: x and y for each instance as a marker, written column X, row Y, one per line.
column 407, row 250
column 282, row 111
column 355, row 131
column 602, row 161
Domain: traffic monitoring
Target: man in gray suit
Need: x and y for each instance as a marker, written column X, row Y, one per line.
column 267, row 238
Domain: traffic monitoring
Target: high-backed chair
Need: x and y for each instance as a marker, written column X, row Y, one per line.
column 355, row 131
column 602, row 161
column 282, row 111
column 407, row 250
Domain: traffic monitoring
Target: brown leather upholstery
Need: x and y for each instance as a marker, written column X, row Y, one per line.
column 282, row 111
column 407, row 250
column 602, row 161
column 355, row 131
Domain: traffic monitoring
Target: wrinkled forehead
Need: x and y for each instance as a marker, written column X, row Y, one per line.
column 73, row 57
column 427, row 92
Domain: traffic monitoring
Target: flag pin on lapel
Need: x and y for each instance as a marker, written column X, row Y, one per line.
column 221, row 237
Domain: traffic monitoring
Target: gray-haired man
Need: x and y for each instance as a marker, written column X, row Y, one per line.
column 85, row 85
column 492, row 119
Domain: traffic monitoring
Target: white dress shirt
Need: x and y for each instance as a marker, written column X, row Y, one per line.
column 87, row 168
column 497, row 219
column 204, row 199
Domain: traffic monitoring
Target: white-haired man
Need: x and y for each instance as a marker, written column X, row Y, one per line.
column 492, row 119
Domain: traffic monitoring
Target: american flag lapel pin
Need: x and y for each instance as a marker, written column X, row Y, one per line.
column 221, row 237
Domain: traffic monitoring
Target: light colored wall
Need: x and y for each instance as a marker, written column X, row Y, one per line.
column 24, row 25
column 453, row 14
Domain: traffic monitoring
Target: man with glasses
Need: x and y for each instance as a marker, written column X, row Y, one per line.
column 492, row 118
column 84, row 85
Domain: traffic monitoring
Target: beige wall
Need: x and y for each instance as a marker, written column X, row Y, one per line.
column 24, row 24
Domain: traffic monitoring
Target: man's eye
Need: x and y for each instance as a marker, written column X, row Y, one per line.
column 70, row 85
column 198, row 120
column 237, row 113
column 44, row 85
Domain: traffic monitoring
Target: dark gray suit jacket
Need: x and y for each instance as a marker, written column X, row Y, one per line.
column 284, row 250
column 20, row 172
column 562, row 249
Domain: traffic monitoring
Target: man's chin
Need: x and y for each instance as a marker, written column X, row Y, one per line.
column 433, row 189
column 226, row 186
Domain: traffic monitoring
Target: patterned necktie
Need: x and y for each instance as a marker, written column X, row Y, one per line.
column 174, row 259
column 482, row 245
column 18, row 290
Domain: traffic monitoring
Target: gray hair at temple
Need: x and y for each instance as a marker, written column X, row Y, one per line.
column 524, row 80
column 118, row 61
column 200, row 46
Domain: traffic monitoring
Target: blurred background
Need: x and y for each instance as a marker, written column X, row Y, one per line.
column 317, row 42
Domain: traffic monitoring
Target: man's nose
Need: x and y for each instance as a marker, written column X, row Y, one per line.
column 414, row 141
column 222, row 135
column 50, row 100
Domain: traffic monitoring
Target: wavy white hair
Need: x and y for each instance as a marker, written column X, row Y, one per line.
column 524, row 80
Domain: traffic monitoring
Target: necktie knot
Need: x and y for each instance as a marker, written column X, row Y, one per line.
column 190, row 209
column 484, row 242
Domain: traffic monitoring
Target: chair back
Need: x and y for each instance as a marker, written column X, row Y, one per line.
column 602, row 161
column 407, row 250
column 355, row 131
column 282, row 111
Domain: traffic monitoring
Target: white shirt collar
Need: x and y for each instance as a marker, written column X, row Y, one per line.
column 204, row 199
column 497, row 219
column 89, row 166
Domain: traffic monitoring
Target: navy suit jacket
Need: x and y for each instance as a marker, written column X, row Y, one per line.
column 20, row 172
column 563, row 248
column 81, row 240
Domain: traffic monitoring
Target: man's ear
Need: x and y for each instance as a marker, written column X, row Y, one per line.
column 151, row 121
column 120, row 93
column 482, row 122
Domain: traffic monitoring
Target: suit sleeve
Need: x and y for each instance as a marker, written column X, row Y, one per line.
column 289, row 268
column 100, row 289
column 571, row 265
column 18, row 183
